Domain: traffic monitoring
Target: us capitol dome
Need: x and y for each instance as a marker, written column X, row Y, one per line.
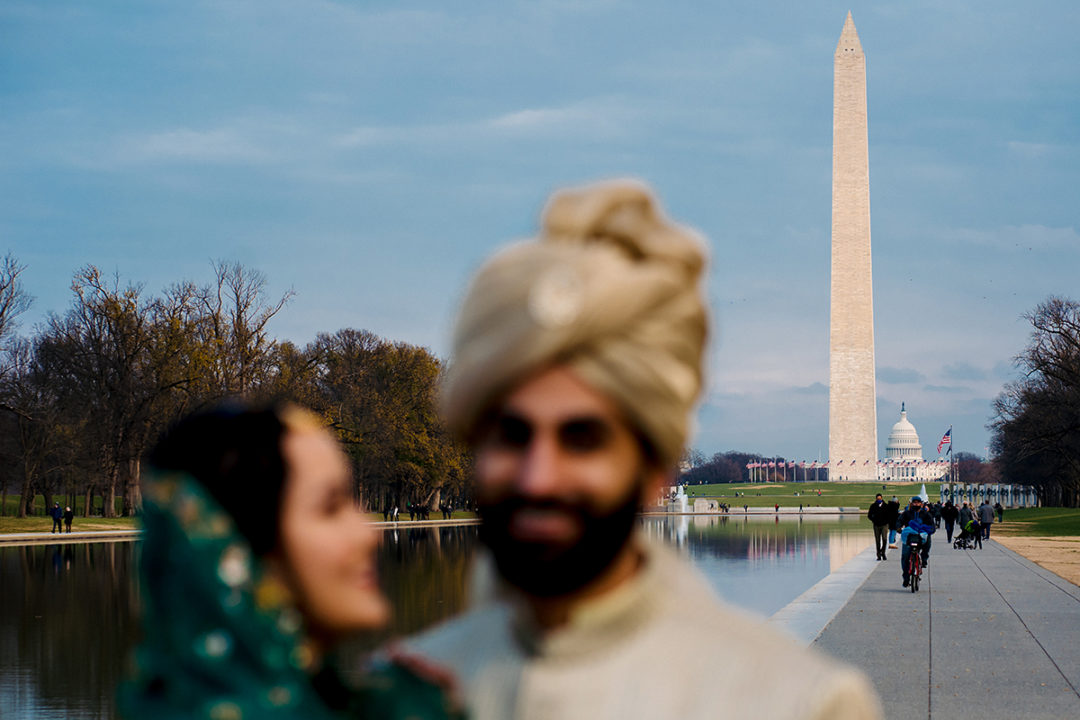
column 903, row 455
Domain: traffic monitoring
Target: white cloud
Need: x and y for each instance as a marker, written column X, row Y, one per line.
column 1029, row 149
column 605, row 118
column 207, row 146
column 1022, row 237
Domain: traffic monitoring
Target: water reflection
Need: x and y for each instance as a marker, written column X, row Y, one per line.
column 67, row 619
column 761, row 563
column 423, row 574
column 68, row 612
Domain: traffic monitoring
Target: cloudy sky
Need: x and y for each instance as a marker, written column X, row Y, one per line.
column 368, row 155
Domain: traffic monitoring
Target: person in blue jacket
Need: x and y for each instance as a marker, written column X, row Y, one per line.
column 915, row 519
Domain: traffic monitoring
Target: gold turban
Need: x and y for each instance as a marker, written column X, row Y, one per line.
column 611, row 289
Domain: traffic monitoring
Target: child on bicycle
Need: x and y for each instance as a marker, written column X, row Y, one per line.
column 915, row 519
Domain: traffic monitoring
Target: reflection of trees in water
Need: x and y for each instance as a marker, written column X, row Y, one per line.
column 68, row 616
column 423, row 572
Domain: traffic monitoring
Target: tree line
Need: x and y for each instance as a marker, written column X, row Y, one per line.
column 1036, row 424
column 85, row 395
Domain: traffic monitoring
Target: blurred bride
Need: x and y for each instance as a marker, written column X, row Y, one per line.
column 255, row 562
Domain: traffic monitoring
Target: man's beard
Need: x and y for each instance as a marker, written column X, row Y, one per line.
column 552, row 570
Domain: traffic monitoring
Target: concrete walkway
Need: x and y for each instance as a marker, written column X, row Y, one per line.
column 84, row 536
column 989, row 635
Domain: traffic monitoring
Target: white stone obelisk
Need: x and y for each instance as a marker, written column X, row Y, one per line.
column 852, row 393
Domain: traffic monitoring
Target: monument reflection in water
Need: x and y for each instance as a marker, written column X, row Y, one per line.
column 68, row 613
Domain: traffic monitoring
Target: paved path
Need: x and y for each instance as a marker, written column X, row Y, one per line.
column 989, row 635
column 47, row 538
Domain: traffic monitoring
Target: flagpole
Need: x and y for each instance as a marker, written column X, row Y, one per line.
column 954, row 469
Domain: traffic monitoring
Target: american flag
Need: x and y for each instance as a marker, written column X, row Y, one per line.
column 946, row 439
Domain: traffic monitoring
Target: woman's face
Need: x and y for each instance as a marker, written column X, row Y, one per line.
column 326, row 545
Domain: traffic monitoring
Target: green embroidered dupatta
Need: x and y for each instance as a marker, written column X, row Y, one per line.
column 221, row 639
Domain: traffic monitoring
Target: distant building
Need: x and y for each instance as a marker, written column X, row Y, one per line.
column 903, row 456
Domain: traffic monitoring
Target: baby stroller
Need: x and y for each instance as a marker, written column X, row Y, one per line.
column 970, row 534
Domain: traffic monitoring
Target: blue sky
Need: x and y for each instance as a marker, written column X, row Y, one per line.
column 368, row 155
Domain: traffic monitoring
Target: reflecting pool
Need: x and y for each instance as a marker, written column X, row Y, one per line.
column 68, row 612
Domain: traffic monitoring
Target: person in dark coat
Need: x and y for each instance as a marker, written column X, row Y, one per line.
column 879, row 518
column 57, row 515
column 1000, row 511
column 986, row 518
column 69, row 517
column 894, row 515
column 949, row 515
column 965, row 514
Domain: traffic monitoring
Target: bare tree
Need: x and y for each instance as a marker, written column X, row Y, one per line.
column 236, row 314
column 14, row 301
column 1037, row 418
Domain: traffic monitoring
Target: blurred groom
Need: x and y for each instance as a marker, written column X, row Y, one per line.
column 577, row 362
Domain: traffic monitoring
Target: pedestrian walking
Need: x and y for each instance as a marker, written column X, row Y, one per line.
column 69, row 517
column 949, row 514
column 986, row 518
column 879, row 518
column 977, row 531
column 57, row 515
column 965, row 514
column 1000, row 511
column 893, row 516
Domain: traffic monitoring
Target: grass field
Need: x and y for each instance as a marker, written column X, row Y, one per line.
column 40, row 523
column 1028, row 521
column 1045, row 522
column 44, row 524
column 832, row 493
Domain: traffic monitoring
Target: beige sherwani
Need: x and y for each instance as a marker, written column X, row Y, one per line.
column 660, row 646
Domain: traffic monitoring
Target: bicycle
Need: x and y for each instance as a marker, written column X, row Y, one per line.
column 915, row 564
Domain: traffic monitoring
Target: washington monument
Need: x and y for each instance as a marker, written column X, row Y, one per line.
column 852, row 394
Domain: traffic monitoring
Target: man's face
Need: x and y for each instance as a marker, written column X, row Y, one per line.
column 560, row 476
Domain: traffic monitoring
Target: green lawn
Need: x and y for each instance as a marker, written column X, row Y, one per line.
column 1043, row 521
column 833, row 494
column 44, row 524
